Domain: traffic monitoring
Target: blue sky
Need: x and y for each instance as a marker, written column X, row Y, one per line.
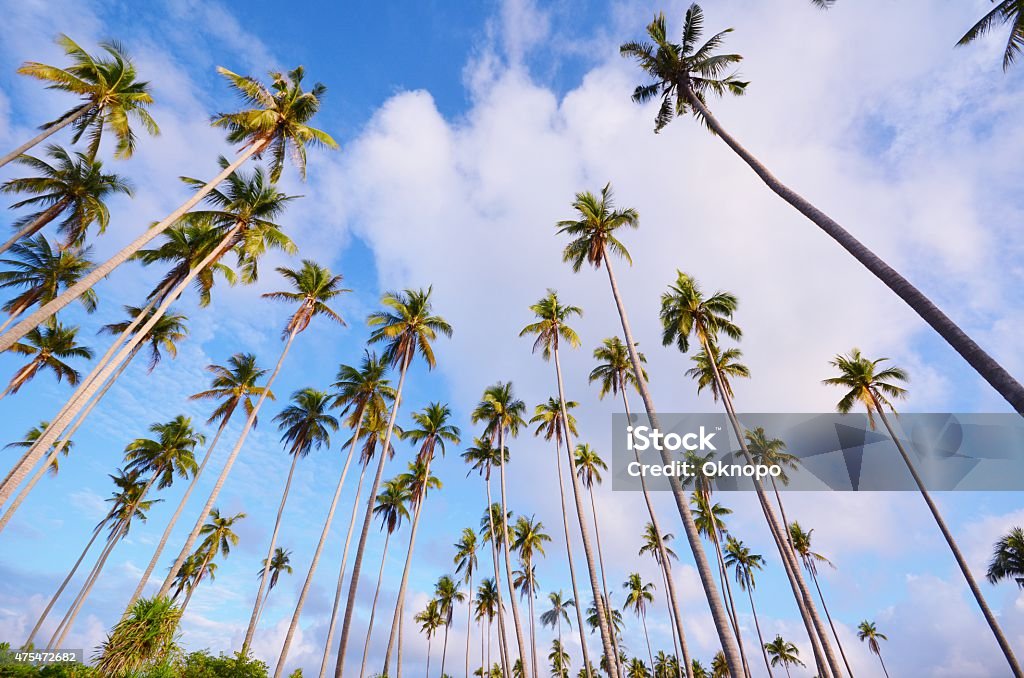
column 465, row 131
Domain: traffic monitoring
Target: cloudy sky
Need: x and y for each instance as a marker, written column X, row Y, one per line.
column 465, row 132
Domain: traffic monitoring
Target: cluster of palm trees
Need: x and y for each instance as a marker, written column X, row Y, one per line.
column 237, row 213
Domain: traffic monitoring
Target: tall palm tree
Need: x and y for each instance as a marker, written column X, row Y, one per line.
column 218, row 536
column 32, row 435
column 768, row 451
column 657, row 544
column 305, row 425
column 277, row 123
column 726, row 362
column 553, row 617
column 40, row 272
column 637, row 669
column 313, row 286
column 488, row 601
column 433, row 429
column 430, row 620
column 869, row 633
column 466, row 562
column 638, row 596
column 551, row 329
column 406, row 326
column 589, row 466
column 1005, row 12
column 1008, row 558
column 47, row 347
column 279, row 563
column 560, row 660
column 548, row 417
column 447, row 594
column 666, row 666
column 870, row 384
column 111, row 96
column 684, row 74
column 528, row 539
column 686, row 312
column 73, row 187
column 591, row 240
column 391, row 507
column 783, row 652
column 184, row 247
column 744, row 563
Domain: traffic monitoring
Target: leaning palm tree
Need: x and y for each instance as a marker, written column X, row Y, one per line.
column 466, row 562
column 767, row 451
column 1005, row 12
column 280, row 563
column 683, row 75
column 592, row 239
column 528, row 539
column 48, row 347
column 550, row 329
column 39, row 272
column 218, row 537
column 407, row 326
column 277, row 124
column 869, row 384
column 744, row 563
column 447, row 594
column 638, row 596
column 433, row 429
column 1008, row 558
column 75, row 188
column 313, row 287
column 869, row 633
column 111, row 96
column 305, row 425
column 553, row 617
column 783, row 652
column 143, row 639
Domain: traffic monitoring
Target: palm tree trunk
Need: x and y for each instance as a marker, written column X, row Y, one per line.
column 428, row 656
column 707, row 579
column 353, row 586
column 730, row 602
column 572, row 567
column 373, row 607
column 993, row 624
column 341, row 571
column 839, row 643
column 270, row 553
column 982, row 362
column 186, row 548
column 47, row 131
column 444, row 649
column 602, row 614
column 600, row 558
column 760, row 638
column 883, row 665
column 520, row 640
column 533, row 624
column 506, row 666
column 469, row 618
column 34, row 226
column 316, row 554
column 72, row 612
column 103, row 270
column 650, row 653
column 199, row 579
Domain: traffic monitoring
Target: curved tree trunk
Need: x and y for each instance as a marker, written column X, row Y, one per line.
column 760, row 638
column 469, row 618
column 520, row 640
column 730, row 602
column 46, row 133
column 373, row 607
column 357, row 566
column 883, row 665
column 533, row 623
column 821, row 597
column 72, row 612
column 982, row 362
column 444, row 649
column 600, row 562
column 506, row 665
column 33, row 227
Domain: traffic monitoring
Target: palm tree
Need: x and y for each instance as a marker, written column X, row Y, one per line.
column 111, row 97
column 391, row 507
column 305, row 425
column 684, row 75
column 614, row 370
column 638, row 596
column 783, row 652
column 143, row 638
column 280, row 562
column 528, row 539
column 447, row 593
column 744, row 563
column 871, row 385
column 33, row 434
column 49, row 346
column 548, row 417
column 592, row 234
column 666, row 666
column 219, row 536
column 277, row 124
column 466, row 562
column 313, row 286
column 550, row 329
column 1007, row 558
column 728, row 365
column 772, row 452
column 430, row 620
column 407, row 326
column 41, row 272
column 73, row 187
column 488, row 602
column 589, row 466
column 685, row 311
column 184, row 247
column 657, row 545
column 502, row 415
column 553, row 617
column 1006, row 12
column 868, row 633
column 719, row 666
column 560, row 660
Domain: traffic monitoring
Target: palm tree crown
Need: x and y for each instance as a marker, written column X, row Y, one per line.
column 1008, row 558
column 170, row 453
column 364, row 389
column 614, row 370
column 433, row 431
column 592, row 233
column 234, row 385
column 313, row 286
column 685, row 311
column 551, row 324
column 306, row 424
column 42, row 273
column 1005, row 12
column 164, row 335
column 49, row 346
column 867, row 384
column 407, row 325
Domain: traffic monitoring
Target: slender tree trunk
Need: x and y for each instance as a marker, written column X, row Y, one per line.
column 718, row 613
column 993, row 624
column 520, row 640
column 186, row 548
column 469, row 617
column 883, row 665
column 444, row 649
column 199, row 579
column 104, row 269
column 990, row 370
column 428, row 655
column 373, row 607
column 59, row 632
column 760, row 638
column 821, row 597
column 341, row 570
column 46, row 133
column 672, row 622
column 600, row 561
column 533, row 622
column 339, row 669
column 730, row 602
column 650, row 653
column 506, row 666
column 34, row 226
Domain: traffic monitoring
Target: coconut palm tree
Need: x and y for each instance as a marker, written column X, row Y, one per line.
column 406, row 326
column 614, row 370
column 111, row 96
column 548, row 417
column 491, row 533
column 870, row 384
column 589, row 466
column 550, row 329
column 637, row 669
column 698, row 671
column 869, row 633
column 1008, row 558
column 143, row 638
column 502, row 415
column 184, row 247
column 313, row 286
column 684, row 74
column 719, row 667
column 615, row 622
column 72, row 187
column 686, row 312
column 488, row 602
column 33, row 434
column 1005, row 12
column 447, row 594
column 728, row 365
column 638, row 596
column 466, row 563
column 528, row 539
column 768, row 451
column 280, row 562
column 657, row 545
column 666, row 666
column 218, row 536
column 744, row 563
column 48, row 347
column 305, row 425
column 430, row 620
column 40, row 272
column 553, row 617
column 783, row 652
column 277, row 124
column 591, row 234
column 560, row 660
